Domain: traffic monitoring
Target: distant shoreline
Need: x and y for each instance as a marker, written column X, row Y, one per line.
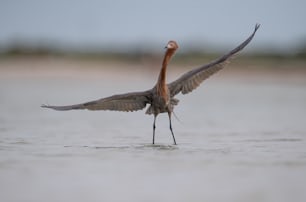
column 244, row 68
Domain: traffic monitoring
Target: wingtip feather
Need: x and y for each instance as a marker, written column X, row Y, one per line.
column 58, row 108
column 257, row 25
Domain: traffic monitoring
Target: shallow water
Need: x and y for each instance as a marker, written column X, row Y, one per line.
column 238, row 140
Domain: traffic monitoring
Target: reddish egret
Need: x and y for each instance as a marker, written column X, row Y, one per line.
column 161, row 96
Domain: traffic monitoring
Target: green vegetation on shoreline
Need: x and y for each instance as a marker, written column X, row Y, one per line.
column 186, row 58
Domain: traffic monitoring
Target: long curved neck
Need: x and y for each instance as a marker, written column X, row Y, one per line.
column 162, row 75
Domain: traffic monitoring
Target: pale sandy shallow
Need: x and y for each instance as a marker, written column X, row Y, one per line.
column 242, row 136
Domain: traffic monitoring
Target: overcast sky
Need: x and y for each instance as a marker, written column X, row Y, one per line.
column 218, row 22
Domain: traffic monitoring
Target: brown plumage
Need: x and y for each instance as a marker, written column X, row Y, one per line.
column 161, row 96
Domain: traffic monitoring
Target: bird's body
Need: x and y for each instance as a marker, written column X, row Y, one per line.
column 161, row 96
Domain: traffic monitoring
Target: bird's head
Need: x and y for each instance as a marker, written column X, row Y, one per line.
column 172, row 45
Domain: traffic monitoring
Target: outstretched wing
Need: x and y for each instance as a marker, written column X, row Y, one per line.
column 192, row 79
column 124, row 102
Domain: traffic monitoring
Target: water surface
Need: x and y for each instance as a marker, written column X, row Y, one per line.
column 239, row 139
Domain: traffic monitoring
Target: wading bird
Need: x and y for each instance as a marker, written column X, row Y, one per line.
column 161, row 96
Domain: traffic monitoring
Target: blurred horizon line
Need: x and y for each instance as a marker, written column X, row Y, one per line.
column 23, row 47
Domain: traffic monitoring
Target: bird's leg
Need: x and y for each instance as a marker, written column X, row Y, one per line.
column 169, row 114
column 154, row 128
